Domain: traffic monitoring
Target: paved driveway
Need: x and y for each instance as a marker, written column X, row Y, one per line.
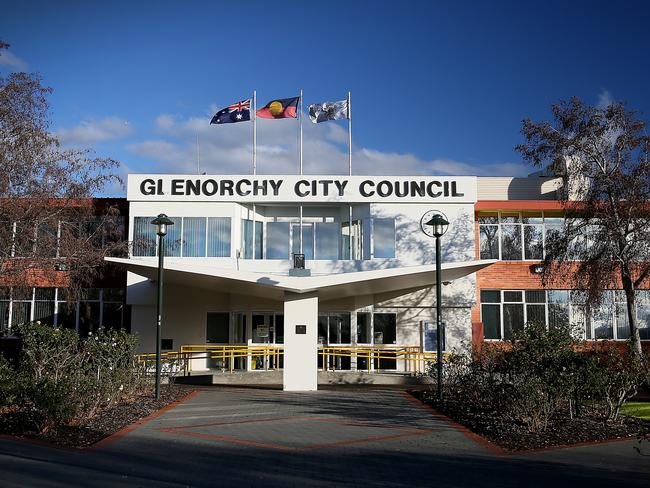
column 362, row 436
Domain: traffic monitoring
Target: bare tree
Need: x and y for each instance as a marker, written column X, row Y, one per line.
column 52, row 231
column 601, row 156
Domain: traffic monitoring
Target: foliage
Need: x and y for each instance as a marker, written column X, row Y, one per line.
column 601, row 157
column 46, row 192
column 63, row 379
column 540, row 375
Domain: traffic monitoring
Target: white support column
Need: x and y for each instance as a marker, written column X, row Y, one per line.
column 300, row 349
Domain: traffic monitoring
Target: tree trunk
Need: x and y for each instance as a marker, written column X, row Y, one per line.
column 630, row 297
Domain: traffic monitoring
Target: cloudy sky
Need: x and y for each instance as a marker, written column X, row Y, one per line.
column 438, row 87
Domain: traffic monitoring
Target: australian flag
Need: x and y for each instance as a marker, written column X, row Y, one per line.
column 237, row 112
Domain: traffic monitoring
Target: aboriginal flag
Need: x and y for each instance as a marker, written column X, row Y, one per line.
column 280, row 108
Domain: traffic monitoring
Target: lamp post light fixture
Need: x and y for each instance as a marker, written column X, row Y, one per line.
column 161, row 222
column 435, row 224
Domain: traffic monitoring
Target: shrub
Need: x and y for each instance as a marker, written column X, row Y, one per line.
column 540, row 375
column 62, row 378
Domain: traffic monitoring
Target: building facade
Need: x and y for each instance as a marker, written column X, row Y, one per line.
column 366, row 298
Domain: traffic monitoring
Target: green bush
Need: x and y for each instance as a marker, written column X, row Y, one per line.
column 63, row 379
column 542, row 374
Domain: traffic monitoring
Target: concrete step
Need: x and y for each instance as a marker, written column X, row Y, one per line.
column 244, row 378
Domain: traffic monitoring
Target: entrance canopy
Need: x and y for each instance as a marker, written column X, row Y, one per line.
column 274, row 286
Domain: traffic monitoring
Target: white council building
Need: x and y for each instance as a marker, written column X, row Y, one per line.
column 365, row 301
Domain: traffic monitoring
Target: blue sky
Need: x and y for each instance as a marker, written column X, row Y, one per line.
column 437, row 87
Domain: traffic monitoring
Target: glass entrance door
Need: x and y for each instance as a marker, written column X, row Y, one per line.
column 333, row 330
column 217, row 332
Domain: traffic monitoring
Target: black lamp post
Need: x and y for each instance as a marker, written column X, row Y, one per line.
column 162, row 221
column 439, row 225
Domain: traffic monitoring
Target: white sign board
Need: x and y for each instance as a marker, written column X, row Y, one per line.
column 302, row 189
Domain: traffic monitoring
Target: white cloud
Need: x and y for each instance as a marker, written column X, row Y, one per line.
column 604, row 99
column 93, row 131
column 7, row 58
column 227, row 149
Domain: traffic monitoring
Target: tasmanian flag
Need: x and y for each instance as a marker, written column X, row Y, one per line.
column 280, row 108
column 237, row 112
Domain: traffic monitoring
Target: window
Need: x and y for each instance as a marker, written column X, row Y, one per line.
column 173, row 237
column 144, row 236
column 489, row 236
column 383, row 236
column 491, row 313
column 44, row 305
column 505, row 312
column 558, row 308
column 510, row 237
column 277, row 240
column 517, row 236
column 364, row 329
column 219, row 237
column 385, row 328
column 247, row 239
column 351, row 239
column 194, row 236
column 307, row 239
column 327, row 240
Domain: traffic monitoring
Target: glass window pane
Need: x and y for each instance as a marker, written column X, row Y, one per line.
column 512, row 296
column 558, row 308
column 4, row 314
column 643, row 313
column 44, row 312
column 194, row 237
column 112, row 316
column 46, row 239
column 88, row 318
column 44, row 293
column 513, row 319
column 279, row 329
column 511, row 242
column 491, row 321
column 114, row 294
column 535, row 296
column 322, row 329
column 510, row 217
column 489, row 241
column 622, row 322
column 21, row 312
column 217, row 328
column 277, row 240
column 533, row 239
column 307, row 240
column 261, row 328
column 578, row 318
column 363, row 328
column 248, row 239
column 219, row 237
column 532, row 218
column 601, row 317
column 144, row 236
column 385, row 328
column 351, row 233
column 536, row 314
column 327, row 240
column 339, row 328
column 66, row 316
column 488, row 218
column 173, row 237
column 490, row 296
column 384, row 238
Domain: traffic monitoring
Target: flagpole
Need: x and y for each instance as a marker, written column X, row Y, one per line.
column 254, row 132
column 350, row 167
column 254, row 159
column 301, row 168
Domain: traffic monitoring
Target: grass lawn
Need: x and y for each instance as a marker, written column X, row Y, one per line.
column 637, row 409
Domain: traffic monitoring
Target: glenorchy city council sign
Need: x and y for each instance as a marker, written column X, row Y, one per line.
column 302, row 188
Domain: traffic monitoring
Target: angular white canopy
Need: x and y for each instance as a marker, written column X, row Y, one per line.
column 330, row 286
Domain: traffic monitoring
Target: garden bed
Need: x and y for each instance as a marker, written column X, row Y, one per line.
column 513, row 436
column 102, row 425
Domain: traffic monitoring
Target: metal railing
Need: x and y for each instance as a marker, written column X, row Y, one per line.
column 406, row 359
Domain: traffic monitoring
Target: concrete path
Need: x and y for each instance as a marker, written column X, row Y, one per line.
column 346, row 436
